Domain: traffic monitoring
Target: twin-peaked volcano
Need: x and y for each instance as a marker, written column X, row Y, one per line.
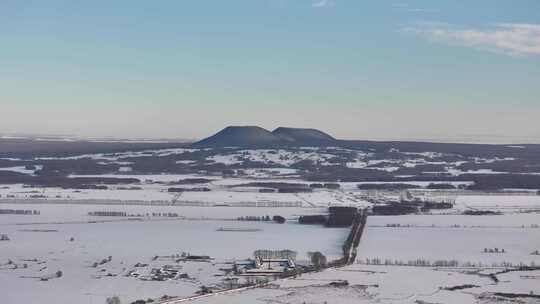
column 253, row 136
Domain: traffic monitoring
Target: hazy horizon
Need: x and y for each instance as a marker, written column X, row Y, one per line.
column 475, row 138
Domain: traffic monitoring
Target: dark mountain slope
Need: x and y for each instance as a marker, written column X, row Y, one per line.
column 303, row 136
column 241, row 136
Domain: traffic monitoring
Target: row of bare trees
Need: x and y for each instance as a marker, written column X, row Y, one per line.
column 421, row 262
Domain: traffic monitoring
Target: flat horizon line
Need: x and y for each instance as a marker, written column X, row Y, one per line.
column 472, row 139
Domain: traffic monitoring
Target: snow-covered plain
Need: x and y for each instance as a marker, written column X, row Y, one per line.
column 22, row 169
column 453, row 237
column 450, row 164
column 131, row 242
column 64, row 215
column 386, row 285
column 157, row 194
column 430, row 238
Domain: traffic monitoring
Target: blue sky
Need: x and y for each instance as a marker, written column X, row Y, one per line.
column 377, row 70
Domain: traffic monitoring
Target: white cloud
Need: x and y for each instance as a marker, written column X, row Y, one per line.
column 507, row 38
column 405, row 7
column 423, row 10
column 322, row 3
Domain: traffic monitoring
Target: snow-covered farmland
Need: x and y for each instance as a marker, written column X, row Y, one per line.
column 397, row 238
column 276, row 157
column 223, row 178
column 23, row 169
column 387, row 285
column 156, row 194
column 47, row 239
column 453, row 237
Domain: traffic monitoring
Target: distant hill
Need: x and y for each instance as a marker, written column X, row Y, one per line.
column 303, row 136
column 253, row 136
column 240, row 136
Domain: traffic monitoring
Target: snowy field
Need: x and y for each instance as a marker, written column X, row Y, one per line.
column 453, row 237
column 428, row 237
column 154, row 189
column 387, row 285
column 284, row 160
column 43, row 242
column 502, row 203
column 227, row 190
